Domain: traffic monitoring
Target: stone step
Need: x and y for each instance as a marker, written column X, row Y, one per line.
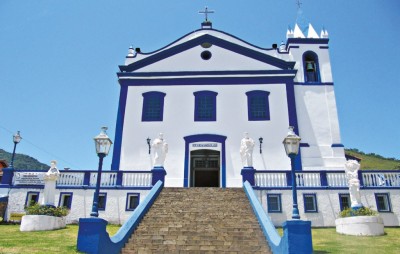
column 199, row 220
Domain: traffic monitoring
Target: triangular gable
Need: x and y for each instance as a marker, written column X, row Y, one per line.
column 250, row 53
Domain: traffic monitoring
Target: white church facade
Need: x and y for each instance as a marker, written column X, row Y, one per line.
column 206, row 89
column 204, row 92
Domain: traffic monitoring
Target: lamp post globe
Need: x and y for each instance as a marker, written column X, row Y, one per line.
column 292, row 143
column 103, row 144
column 16, row 139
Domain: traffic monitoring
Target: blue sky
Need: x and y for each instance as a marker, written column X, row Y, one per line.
column 58, row 64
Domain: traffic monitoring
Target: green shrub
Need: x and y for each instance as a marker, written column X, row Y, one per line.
column 36, row 209
column 363, row 211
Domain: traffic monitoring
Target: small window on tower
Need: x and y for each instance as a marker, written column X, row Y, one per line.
column 153, row 106
column 205, row 107
column 258, row 105
column 311, row 69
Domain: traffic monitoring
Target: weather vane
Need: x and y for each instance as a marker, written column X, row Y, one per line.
column 206, row 12
column 298, row 4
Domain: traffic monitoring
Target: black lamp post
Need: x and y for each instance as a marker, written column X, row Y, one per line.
column 103, row 144
column 292, row 144
column 16, row 139
column 148, row 143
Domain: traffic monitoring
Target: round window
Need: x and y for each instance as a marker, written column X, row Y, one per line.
column 206, row 55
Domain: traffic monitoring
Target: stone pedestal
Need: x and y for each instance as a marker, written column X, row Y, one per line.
column 248, row 175
column 159, row 173
column 360, row 226
column 41, row 223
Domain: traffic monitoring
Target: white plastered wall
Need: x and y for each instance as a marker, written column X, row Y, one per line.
column 232, row 121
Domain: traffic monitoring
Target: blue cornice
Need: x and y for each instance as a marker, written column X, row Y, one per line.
column 306, row 41
column 314, row 83
column 206, row 81
column 203, row 73
column 168, row 52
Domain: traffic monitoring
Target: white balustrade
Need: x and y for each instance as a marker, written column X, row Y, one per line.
column 270, row 179
column 337, row 179
column 308, row 179
column 108, row 179
column 381, row 179
column 136, row 179
column 71, row 178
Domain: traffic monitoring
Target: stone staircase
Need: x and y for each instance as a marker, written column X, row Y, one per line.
column 199, row 220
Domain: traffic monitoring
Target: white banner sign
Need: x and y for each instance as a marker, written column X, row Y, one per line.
column 206, row 145
column 28, row 178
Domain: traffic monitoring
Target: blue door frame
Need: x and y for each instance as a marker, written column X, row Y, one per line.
column 204, row 138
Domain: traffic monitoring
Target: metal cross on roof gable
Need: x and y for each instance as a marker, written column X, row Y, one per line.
column 206, row 12
column 298, row 3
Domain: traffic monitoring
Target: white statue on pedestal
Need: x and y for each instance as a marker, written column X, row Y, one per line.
column 246, row 150
column 352, row 167
column 50, row 179
column 160, row 149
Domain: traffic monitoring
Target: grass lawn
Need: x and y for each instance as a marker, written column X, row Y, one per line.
column 325, row 240
column 57, row 241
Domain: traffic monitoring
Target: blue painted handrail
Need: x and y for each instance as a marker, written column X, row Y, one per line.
column 296, row 237
column 93, row 237
column 266, row 224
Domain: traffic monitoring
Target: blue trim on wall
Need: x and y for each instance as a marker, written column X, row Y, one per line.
column 337, row 145
column 204, row 138
column 155, row 95
column 206, row 81
column 307, row 41
column 252, row 107
column 119, row 128
column 304, row 145
column 204, row 73
column 313, row 83
column 128, row 195
column 168, row 52
column 199, row 96
column 69, row 201
column 292, row 114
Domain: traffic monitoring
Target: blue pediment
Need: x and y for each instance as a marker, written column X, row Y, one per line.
column 207, row 38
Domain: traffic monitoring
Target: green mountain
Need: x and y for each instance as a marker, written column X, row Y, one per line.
column 373, row 161
column 22, row 161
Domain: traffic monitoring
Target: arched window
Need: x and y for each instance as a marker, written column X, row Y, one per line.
column 258, row 105
column 311, row 68
column 205, row 106
column 153, row 106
